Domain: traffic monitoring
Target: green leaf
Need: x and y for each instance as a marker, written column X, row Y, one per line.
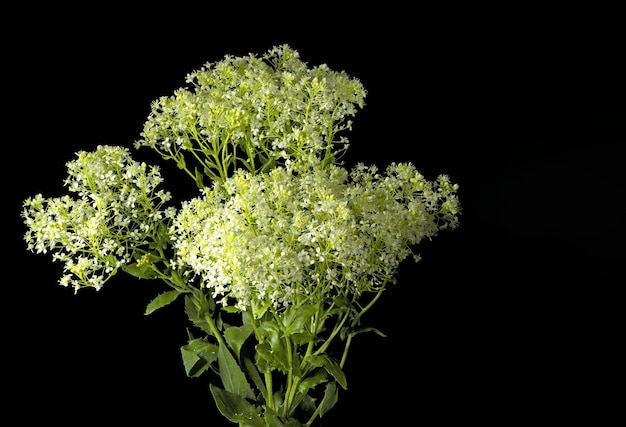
column 180, row 162
column 263, row 366
column 199, row 178
column 235, row 408
column 272, row 420
column 237, row 335
column 161, row 300
column 232, row 376
column 307, row 405
column 303, row 338
column 194, row 364
column 296, row 317
column 260, row 308
column 253, row 372
column 331, row 395
column 331, row 367
column 275, row 358
column 196, row 309
column 273, row 350
column 308, row 383
column 362, row 330
column 142, row 272
column 342, row 302
column 198, row 355
column 271, row 330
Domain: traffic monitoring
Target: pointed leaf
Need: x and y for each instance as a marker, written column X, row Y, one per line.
column 331, row 395
column 342, row 302
column 362, row 330
column 161, row 300
column 273, row 351
column 199, row 178
column 194, row 364
column 232, row 376
column 253, row 372
column 143, row 272
column 196, row 311
column 260, row 308
column 276, row 359
column 235, row 408
column 198, row 355
column 295, row 318
column 331, row 367
column 303, row 338
column 308, row 383
column 237, row 335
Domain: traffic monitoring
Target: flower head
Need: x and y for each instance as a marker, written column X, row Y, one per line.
column 285, row 237
column 117, row 211
column 254, row 113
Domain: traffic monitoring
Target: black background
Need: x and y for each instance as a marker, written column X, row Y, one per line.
column 513, row 316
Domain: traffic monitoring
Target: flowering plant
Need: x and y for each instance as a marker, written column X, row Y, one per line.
column 282, row 251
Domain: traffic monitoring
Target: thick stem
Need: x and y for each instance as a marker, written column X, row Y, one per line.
column 270, row 392
column 291, row 386
column 214, row 330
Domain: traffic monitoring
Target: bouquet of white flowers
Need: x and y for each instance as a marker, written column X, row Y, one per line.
column 282, row 251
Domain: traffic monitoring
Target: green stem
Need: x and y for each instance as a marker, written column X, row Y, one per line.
column 311, row 345
column 333, row 334
column 355, row 322
column 345, row 351
column 270, row 392
column 368, row 306
column 213, row 328
column 269, row 382
column 289, row 393
column 313, row 416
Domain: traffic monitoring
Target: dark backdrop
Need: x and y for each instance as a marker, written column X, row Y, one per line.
column 510, row 317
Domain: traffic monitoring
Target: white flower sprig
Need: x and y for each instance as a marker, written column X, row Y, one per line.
column 117, row 212
column 254, row 113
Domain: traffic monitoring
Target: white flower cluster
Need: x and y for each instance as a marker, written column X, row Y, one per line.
column 285, row 237
column 254, row 112
column 116, row 213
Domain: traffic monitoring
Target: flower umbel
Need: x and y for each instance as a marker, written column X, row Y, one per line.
column 254, row 113
column 285, row 238
column 117, row 212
